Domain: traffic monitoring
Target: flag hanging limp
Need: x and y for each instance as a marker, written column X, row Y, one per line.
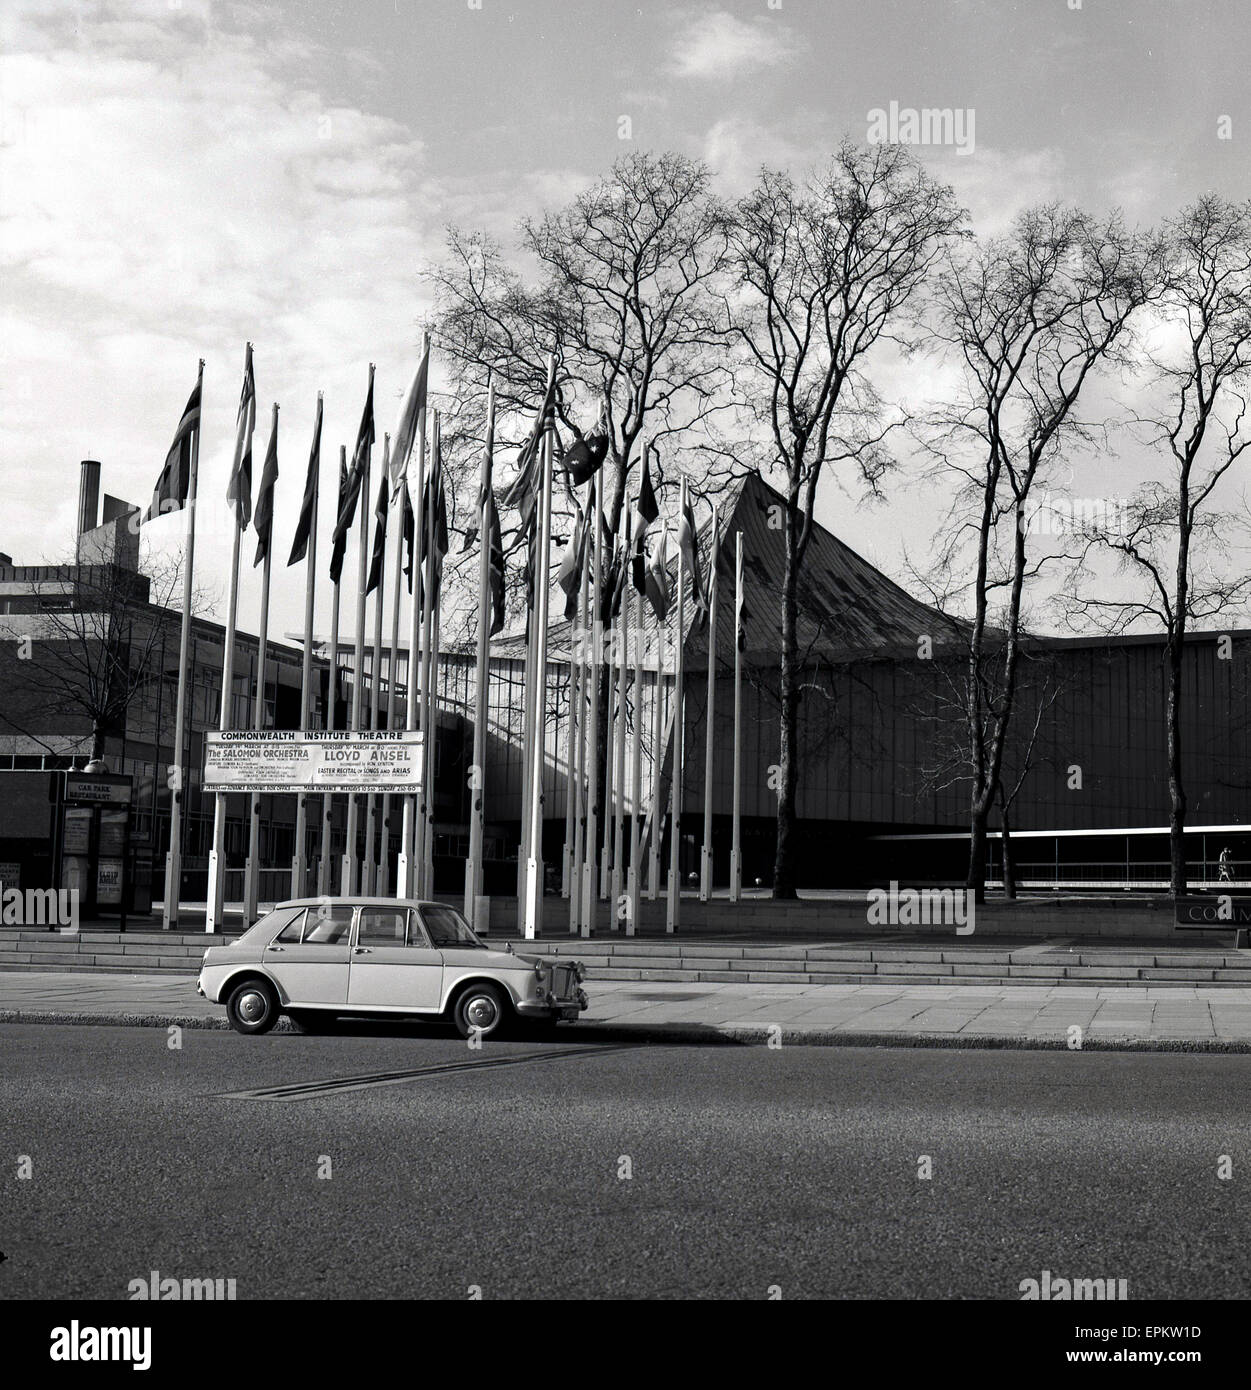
column 408, row 527
column 170, row 492
column 263, row 523
column 495, row 544
column 339, row 546
column 239, row 490
column 378, row 559
column 407, row 422
column 656, row 580
column 356, row 474
column 299, row 546
column 689, row 546
column 582, row 460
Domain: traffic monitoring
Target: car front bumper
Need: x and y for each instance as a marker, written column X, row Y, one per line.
column 554, row 1008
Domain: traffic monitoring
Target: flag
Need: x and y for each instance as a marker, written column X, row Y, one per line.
column 657, row 577
column 495, row 545
column 356, row 474
column 689, row 547
column 340, row 535
column 299, row 546
column 378, row 559
column 582, row 460
column 523, row 491
column 170, row 492
column 645, row 509
column 408, row 527
column 569, row 574
column 405, row 432
column 436, row 512
column 239, row 491
column 263, row 521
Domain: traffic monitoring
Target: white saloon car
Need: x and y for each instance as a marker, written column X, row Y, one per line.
column 315, row 958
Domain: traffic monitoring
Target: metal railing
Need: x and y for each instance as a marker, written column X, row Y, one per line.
column 1116, row 873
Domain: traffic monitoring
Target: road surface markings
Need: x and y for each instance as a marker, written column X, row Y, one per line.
column 308, row 1090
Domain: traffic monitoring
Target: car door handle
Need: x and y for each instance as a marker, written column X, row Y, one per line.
column 362, row 950
column 274, row 948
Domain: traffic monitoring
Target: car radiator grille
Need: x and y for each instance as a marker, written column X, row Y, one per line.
column 563, row 981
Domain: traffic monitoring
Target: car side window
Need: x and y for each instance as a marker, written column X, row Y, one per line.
column 381, row 926
column 328, row 925
column 290, row 934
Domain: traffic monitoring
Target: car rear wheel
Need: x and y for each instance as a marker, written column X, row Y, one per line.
column 252, row 1007
column 481, row 1009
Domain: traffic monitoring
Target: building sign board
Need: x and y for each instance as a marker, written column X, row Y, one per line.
column 281, row 760
column 82, row 787
column 1213, row 911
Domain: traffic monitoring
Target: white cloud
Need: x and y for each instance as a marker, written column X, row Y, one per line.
column 714, row 44
column 173, row 189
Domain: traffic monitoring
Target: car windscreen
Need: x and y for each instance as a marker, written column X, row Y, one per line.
column 448, row 928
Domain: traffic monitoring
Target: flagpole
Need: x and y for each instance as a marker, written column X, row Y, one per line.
column 610, row 734
column 369, row 870
column 252, row 865
column 571, row 763
column 178, row 781
column 393, row 664
column 215, row 909
column 298, row 865
column 673, row 911
column 527, row 750
column 622, row 733
column 710, row 741
column 589, row 901
column 432, row 708
column 349, row 875
column 634, row 881
column 534, row 792
column 578, row 722
column 332, row 716
column 425, row 819
column 406, row 869
column 477, row 780
column 736, row 844
column 657, row 816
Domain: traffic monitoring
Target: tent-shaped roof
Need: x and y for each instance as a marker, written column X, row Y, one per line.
column 848, row 609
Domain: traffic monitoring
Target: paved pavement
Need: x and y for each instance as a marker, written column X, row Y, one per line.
column 1121, row 1017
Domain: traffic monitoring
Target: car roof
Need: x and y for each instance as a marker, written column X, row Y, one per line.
column 356, row 901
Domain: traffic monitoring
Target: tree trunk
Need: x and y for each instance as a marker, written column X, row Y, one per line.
column 98, row 736
column 788, row 763
column 1009, row 868
column 1176, row 790
column 975, row 880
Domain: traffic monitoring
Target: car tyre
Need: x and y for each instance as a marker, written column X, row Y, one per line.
column 483, row 1009
column 252, row 1007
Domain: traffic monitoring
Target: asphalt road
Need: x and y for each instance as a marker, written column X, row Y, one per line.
column 747, row 1168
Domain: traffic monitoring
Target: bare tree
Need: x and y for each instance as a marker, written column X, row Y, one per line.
column 1172, row 546
column 622, row 296
column 1028, row 317
column 823, row 271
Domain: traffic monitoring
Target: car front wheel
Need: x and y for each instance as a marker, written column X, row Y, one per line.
column 252, row 1007
column 481, row 1009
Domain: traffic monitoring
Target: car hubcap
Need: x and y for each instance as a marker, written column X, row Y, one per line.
column 481, row 1012
column 252, row 1007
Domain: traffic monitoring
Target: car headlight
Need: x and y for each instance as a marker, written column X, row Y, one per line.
column 538, row 970
column 579, row 971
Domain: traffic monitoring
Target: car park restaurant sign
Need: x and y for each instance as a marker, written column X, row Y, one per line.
column 278, row 760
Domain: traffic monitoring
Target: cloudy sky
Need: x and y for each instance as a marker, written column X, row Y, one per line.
column 177, row 177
